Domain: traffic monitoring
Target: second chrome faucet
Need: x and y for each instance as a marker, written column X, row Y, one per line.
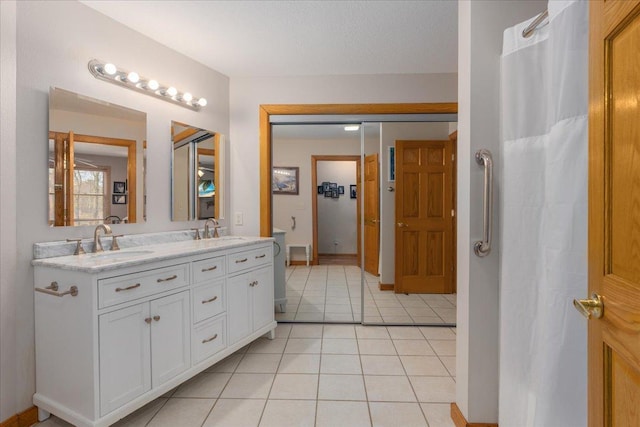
column 207, row 233
column 97, row 245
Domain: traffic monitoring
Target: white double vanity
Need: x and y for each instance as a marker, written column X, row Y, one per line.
column 117, row 329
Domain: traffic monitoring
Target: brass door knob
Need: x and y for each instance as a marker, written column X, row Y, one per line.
column 593, row 306
column 402, row 225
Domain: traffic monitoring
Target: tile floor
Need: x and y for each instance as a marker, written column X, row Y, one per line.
column 331, row 293
column 318, row 375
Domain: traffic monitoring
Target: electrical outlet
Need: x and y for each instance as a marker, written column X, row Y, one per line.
column 238, row 218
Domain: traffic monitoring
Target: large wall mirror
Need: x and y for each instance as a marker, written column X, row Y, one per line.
column 96, row 161
column 196, row 189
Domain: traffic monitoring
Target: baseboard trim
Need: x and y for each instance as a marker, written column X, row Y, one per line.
column 23, row 419
column 460, row 421
column 300, row 262
column 386, row 286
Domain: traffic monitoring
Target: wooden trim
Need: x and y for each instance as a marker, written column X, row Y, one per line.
column 266, row 215
column 314, row 197
column 386, row 286
column 460, row 421
column 23, row 419
column 302, row 262
column 216, row 176
column 453, row 137
column 339, row 255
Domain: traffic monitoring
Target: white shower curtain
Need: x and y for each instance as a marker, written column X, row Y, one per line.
column 544, row 221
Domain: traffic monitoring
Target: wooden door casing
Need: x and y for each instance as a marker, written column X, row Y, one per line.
column 424, row 223
column 371, row 194
column 614, row 216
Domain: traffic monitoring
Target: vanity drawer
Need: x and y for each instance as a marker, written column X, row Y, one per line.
column 208, row 269
column 243, row 260
column 116, row 290
column 208, row 300
column 208, row 339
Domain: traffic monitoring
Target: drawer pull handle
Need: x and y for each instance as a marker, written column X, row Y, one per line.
column 210, row 339
column 261, row 256
column 238, row 261
column 137, row 285
column 210, row 268
column 210, row 300
column 168, row 278
column 148, row 320
column 52, row 289
column 254, row 283
column 156, row 317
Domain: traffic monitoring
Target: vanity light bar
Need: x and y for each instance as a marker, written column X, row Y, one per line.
column 132, row 80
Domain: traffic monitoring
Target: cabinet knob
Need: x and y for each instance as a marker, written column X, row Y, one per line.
column 156, row 317
column 148, row 320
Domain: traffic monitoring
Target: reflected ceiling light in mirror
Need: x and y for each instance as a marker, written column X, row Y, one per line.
column 132, row 80
column 351, row 128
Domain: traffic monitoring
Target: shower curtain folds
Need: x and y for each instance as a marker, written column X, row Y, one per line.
column 544, row 220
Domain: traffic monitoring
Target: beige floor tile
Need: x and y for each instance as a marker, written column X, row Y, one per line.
column 339, row 346
column 449, row 363
column 444, row 347
column 311, row 308
column 204, row 385
column 352, row 414
column 303, row 345
column 228, row 364
column 405, row 333
column 235, row 413
column 388, row 389
column 248, row 386
column 424, row 365
column 306, row 331
column 413, row 347
column 335, row 308
column 428, row 320
column 300, row 364
column 286, row 317
column 387, row 414
column 437, row 333
column 309, row 317
column 141, row 417
column 374, row 346
column 183, row 413
column 54, row 421
column 283, row 330
column 280, row 413
column 310, row 300
column 438, row 414
column 338, row 317
column 257, row 363
column 381, row 365
column 340, row 364
column 341, row 387
column 392, row 312
column 339, row 331
column 295, row 386
column 371, row 332
column 402, row 320
column 434, row 389
column 264, row 345
column 420, row 311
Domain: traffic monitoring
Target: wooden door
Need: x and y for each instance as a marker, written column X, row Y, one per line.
column 371, row 196
column 424, row 222
column 614, row 212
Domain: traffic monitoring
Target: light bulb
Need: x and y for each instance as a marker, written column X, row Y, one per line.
column 172, row 91
column 351, row 128
column 202, row 102
column 110, row 69
column 187, row 97
column 133, row 77
column 153, row 85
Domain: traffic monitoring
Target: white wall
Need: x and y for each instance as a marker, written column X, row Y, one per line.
column 390, row 133
column 53, row 52
column 298, row 152
column 480, row 27
column 247, row 94
column 337, row 218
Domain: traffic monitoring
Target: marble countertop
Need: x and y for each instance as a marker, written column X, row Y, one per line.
column 111, row 260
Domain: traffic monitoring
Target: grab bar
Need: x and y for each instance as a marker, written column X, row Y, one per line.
column 483, row 247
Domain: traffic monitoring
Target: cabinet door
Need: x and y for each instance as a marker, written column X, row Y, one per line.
column 125, row 371
column 262, row 298
column 170, row 337
column 238, row 308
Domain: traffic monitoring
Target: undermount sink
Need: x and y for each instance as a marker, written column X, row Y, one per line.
column 119, row 255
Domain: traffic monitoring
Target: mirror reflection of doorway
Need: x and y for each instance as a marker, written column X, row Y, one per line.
column 380, row 300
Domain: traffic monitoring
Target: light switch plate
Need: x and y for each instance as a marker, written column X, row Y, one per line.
column 238, row 218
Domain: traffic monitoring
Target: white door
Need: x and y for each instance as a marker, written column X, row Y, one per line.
column 125, row 371
column 170, row 337
column 238, row 307
column 262, row 298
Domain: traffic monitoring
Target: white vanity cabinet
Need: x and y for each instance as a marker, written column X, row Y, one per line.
column 133, row 333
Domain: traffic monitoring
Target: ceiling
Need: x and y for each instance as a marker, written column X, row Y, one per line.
column 298, row 38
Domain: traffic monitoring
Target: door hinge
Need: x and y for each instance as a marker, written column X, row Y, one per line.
column 453, row 157
column 453, row 212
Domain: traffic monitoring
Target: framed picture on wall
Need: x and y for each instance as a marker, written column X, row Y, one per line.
column 285, row 180
column 119, row 199
column 333, row 185
column 341, row 189
column 119, row 187
column 353, row 192
column 320, row 189
column 392, row 164
column 327, row 193
column 325, row 186
column 334, row 193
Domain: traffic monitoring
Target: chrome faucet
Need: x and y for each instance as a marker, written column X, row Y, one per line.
column 207, row 234
column 97, row 246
